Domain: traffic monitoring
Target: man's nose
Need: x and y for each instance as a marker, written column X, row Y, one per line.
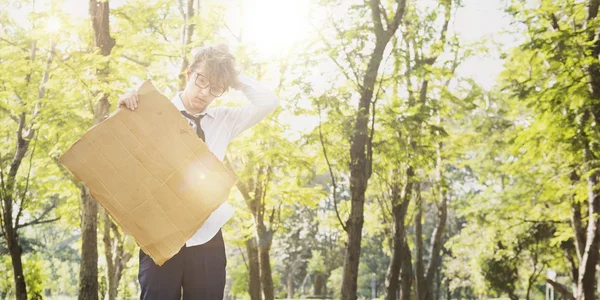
column 205, row 91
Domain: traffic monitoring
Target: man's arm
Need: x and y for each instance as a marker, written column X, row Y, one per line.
column 262, row 103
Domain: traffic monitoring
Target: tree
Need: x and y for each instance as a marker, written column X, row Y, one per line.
column 103, row 42
column 379, row 34
column 23, row 107
column 361, row 148
column 116, row 252
column 573, row 67
column 268, row 187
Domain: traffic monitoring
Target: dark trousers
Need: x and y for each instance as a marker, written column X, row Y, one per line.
column 200, row 270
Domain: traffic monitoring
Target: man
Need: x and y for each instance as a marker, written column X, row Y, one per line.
column 199, row 267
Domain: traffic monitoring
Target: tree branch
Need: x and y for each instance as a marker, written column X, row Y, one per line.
column 333, row 183
column 385, row 16
column 14, row 44
column 24, row 193
column 561, row 289
column 400, row 10
column 142, row 63
column 334, row 59
column 376, row 16
column 13, row 117
column 554, row 20
column 592, row 14
column 237, row 38
column 39, row 220
column 350, row 62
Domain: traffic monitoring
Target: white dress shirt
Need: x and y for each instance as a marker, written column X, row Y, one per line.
column 221, row 125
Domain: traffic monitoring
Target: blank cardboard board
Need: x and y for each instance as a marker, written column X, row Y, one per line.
column 151, row 173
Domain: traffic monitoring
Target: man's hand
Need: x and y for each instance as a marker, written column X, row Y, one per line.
column 129, row 100
column 236, row 84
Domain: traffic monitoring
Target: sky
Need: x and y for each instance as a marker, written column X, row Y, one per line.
column 290, row 21
column 483, row 19
column 476, row 20
column 275, row 26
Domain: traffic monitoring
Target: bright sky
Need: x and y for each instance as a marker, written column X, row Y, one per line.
column 275, row 26
column 272, row 25
column 483, row 19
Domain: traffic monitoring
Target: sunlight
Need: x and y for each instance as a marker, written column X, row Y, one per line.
column 274, row 26
column 53, row 25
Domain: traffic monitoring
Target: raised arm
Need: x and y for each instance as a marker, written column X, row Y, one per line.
column 262, row 102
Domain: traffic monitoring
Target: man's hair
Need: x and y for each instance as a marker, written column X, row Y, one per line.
column 218, row 64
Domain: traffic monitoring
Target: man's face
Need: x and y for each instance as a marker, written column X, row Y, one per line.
column 198, row 92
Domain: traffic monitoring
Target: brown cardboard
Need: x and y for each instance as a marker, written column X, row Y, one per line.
column 151, row 173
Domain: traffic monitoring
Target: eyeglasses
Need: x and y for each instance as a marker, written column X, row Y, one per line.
column 203, row 83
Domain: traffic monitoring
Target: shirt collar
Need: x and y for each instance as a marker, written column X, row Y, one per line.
column 178, row 102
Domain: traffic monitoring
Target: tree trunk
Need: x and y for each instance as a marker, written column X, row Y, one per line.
column 574, row 256
column 258, row 252
column 400, row 201
column 419, row 266
column 438, row 284
column 88, row 272
column 9, row 227
column 187, row 31
column 254, row 288
column 360, row 164
column 586, row 280
column 393, row 273
column 319, row 285
column 587, row 267
column 406, row 278
column 265, row 238
column 438, row 233
column 589, row 256
column 10, row 223
column 15, row 256
column 108, row 248
column 290, row 284
column 115, row 254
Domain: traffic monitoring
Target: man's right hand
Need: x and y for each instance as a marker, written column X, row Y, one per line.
column 129, row 100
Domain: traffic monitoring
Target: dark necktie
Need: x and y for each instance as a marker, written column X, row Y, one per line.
column 196, row 120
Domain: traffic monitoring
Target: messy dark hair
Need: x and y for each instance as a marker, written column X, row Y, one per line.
column 218, row 64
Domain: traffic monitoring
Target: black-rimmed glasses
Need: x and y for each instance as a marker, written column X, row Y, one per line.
column 203, row 83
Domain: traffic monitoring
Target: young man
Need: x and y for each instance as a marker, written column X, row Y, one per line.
column 199, row 267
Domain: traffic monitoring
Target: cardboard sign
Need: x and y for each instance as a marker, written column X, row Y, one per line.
column 151, row 173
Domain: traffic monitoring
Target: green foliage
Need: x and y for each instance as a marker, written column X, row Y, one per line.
column 511, row 163
column 6, row 277
column 240, row 280
column 316, row 265
column 35, row 275
column 335, row 279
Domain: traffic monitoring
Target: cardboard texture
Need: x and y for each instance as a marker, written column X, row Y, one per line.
column 151, row 173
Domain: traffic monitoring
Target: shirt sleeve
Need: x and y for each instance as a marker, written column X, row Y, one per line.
column 262, row 103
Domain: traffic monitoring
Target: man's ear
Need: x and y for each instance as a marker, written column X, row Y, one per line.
column 188, row 73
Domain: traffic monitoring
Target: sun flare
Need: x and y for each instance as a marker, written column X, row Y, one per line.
column 53, row 25
column 274, row 26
